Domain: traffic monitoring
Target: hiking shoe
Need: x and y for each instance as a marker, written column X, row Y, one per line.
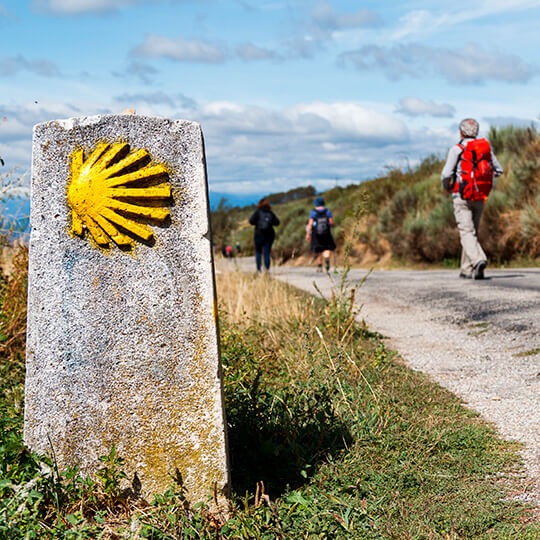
column 478, row 272
column 464, row 275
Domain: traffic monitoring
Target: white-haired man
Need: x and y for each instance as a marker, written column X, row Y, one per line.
column 468, row 175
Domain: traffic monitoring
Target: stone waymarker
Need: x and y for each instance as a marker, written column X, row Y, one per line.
column 122, row 344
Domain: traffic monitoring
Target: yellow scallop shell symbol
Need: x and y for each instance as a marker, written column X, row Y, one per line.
column 115, row 193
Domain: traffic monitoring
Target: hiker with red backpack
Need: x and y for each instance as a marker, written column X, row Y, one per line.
column 468, row 175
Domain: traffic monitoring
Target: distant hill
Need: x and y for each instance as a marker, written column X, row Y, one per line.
column 407, row 217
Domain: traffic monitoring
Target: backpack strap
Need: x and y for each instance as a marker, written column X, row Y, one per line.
column 460, row 144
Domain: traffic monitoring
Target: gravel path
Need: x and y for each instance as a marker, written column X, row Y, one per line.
column 479, row 339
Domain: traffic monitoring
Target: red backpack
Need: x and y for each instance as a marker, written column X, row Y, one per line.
column 476, row 170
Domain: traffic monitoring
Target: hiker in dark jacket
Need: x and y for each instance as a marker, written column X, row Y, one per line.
column 319, row 235
column 264, row 220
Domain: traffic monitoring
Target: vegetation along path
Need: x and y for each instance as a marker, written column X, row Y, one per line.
column 479, row 339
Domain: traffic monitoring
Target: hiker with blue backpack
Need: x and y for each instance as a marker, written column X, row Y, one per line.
column 469, row 174
column 264, row 220
column 319, row 233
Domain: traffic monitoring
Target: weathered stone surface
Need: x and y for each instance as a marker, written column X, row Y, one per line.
column 123, row 346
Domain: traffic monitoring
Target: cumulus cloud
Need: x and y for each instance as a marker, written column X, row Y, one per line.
column 412, row 106
column 469, row 65
column 325, row 17
column 16, row 130
column 304, row 45
column 253, row 149
column 20, row 120
column 13, row 65
column 180, row 50
column 249, row 52
column 140, row 70
column 353, row 122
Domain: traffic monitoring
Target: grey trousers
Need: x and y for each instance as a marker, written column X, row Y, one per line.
column 468, row 215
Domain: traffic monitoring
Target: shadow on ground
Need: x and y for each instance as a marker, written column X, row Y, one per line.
column 280, row 439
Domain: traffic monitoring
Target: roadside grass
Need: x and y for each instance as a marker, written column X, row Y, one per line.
column 331, row 436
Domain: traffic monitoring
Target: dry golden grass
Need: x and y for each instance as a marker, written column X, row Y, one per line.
column 8, row 253
column 13, row 309
column 285, row 317
column 246, row 298
column 294, row 330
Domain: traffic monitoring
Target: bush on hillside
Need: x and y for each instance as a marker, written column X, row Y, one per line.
column 530, row 221
column 511, row 139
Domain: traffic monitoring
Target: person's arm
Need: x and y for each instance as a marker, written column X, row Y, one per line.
column 253, row 218
column 448, row 173
column 497, row 169
column 330, row 218
column 308, row 229
column 275, row 220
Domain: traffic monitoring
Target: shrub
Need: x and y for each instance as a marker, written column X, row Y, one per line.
column 530, row 220
column 434, row 237
column 511, row 139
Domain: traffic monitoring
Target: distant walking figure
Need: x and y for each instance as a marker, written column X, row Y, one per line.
column 468, row 175
column 319, row 234
column 264, row 220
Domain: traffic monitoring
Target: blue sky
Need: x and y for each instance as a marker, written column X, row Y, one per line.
column 288, row 93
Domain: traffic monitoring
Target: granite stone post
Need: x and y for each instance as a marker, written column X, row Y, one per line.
column 122, row 345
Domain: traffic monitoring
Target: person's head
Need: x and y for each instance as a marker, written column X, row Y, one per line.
column 319, row 201
column 469, row 128
column 264, row 203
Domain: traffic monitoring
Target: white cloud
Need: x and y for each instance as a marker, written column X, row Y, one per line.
column 317, row 121
column 422, row 21
column 255, row 149
column 324, row 16
column 180, row 50
column 469, row 65
column 19, row 121
column 142, row 71
column 324, row 25
column 412, row 106
column 310, row 143
column 39, row 66
column 417, row 22
column 249, row 51
column 354, row 122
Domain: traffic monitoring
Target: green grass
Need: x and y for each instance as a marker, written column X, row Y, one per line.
column 331, row 436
